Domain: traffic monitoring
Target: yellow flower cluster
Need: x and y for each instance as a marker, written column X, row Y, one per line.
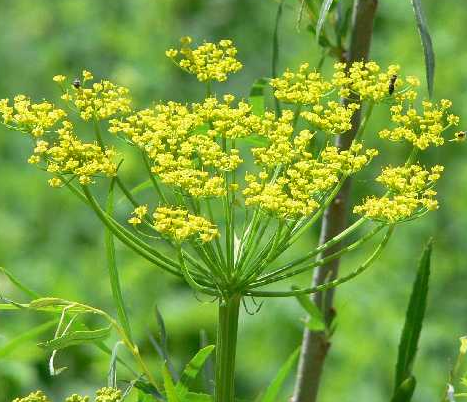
column 298, row 190
column 336, row 119
column 410, row 192
column 180, row 225
column 370, row 83
column 69, row 155
column 183, row 150
column 33, row 118
column 209, row 61
column 105, row 394
column 138, row 214
column 101, row 101
column 37, row 396
column 304, row 87
column 421, row 129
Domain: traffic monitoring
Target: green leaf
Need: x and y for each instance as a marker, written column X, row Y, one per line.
column 413, row 320
column 275, row 51
column 193, row 397
column 18, row 284
column 316, row 319
column 191, row 371
column 32, row 334
column 147, row 388
column 169, row 386
column 76, row 338
column 426, row 43
column 256, row 99
column 256, row 140
column 323, row 12
column 47, row 302
column 112, row 268
column 405, row 391
column 273, row 390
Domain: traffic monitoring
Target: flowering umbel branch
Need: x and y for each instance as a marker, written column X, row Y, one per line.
column 235, row 190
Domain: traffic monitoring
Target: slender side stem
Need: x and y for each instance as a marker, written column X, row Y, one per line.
column 315, row 345
column 226, row 347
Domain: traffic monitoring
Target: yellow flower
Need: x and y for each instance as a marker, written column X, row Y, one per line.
column 55, row 182
column 180, row 225
column 421, row 129
column 410, row 192
column 209, row 61
column 59, row 78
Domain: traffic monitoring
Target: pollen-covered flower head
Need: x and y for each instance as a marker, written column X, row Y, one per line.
column 366, row 81
column 99, row 101
column 410, row 192
column 180, row 225
column 209, row 61
column 33, row 118
column 37, row 396
column 424, row 128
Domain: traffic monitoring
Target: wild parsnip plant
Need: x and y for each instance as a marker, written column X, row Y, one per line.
column 194, row 155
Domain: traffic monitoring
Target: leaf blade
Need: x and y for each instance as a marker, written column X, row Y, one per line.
column 274, row 388
column 414, row 319
column 192, row 369
column 427, row 44
column 323, row 12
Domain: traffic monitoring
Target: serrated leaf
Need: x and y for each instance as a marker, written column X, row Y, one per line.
column 169, row 386
column 192, row 370
column 426, row 43
column 256, row 98
column 405, row 391
column 323, row 12
column 413, row 320
column 316, row 319
column 76, row 338
column 273, row 390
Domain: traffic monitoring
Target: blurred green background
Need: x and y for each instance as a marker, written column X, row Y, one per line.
column 55, row 245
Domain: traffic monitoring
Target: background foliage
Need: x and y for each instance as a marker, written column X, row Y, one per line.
column 51, row 241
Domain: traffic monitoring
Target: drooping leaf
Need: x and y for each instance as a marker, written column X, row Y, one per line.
column 323, row 12
column 112, row 376
column 256, row 98
column 426, row 43
column 19, row 284
column 76, row 338
column 413, row 320
column 112, row 268
column 273, row 390
column 315, row 321
column 405, row 391
column 191, row 371
column 169, row 386
column 29, row 335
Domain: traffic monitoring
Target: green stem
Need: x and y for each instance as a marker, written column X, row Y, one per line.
column 226, row 348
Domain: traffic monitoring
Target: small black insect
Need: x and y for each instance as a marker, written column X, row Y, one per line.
column 460, row 136
column 77, row 83
column 392, row 83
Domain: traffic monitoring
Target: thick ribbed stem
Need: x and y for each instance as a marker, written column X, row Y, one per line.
column 226, row 348
column 316, row 344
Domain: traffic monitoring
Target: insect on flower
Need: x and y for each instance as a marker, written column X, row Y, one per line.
column 77, row 83
column 392, row 83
